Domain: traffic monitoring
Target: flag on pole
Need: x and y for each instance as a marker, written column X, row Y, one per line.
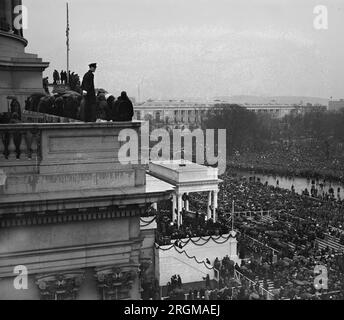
column 67, row 43
column 68, row 28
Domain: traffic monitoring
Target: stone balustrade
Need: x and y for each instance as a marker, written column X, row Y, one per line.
column 20, row 142
column 38, row 117
column 66, row 160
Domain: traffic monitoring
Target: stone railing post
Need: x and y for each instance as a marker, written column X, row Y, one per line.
column 17, row 143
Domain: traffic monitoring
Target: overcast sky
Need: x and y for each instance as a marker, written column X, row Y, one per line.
column 195, row 48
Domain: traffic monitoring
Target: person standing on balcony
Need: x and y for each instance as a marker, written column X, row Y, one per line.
column 62, row 77
column 113, row 108
column 56, row 77
column 46, row 85
column 102, row 107
column 89, row 93
column 125, row 108
column 15, row 107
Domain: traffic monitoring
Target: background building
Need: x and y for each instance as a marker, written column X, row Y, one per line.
column 182, row 113
column 173, row 113
column 336, row 105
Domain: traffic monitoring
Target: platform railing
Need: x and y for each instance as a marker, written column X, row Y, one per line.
column 20, row 142
column 240, row 277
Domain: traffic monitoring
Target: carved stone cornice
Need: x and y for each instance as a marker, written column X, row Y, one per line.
column 65, row 216
column 115, row 283
column 13, row 36
column 62, row 286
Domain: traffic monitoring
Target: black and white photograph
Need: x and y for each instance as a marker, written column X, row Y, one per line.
column 188, row 151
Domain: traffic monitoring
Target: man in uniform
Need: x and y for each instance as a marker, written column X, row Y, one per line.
column 89, row 93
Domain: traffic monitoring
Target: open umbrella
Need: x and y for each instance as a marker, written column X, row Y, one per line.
column 71, row 94
column 102, row 91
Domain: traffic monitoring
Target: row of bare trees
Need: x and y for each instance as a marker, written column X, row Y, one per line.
column 249, row 131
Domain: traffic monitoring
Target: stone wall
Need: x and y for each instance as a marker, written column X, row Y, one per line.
column 68, row 248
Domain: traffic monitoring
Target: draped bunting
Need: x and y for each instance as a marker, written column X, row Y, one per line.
column 188, row 256
column 184, row 242
column 215, row 239
column 146, row 224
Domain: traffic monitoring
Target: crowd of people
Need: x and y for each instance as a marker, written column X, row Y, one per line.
column 252, row 195
column 71, row 106
column 63, row 78
column 78, row 101
column 226, row 288
column 278, row 232
column 14, row 114
column 175, row 283
column 195, row 226
column 308, row 158
column 282, row 248
column 289, row 233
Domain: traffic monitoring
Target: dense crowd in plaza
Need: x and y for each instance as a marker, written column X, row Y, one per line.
column 281, row 246
column 252, row 195
column 295, row 222
column 308, row 158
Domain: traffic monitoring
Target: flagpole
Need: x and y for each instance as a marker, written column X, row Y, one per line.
column 68, row 49
column 233, row 216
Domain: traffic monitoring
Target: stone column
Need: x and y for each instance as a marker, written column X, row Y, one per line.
column 9, row 13
column 180, row 206
column 215, row 205
column 209, row 205
column 2, row 10
column 187, row 203
column 174, row 207
column 14, row 4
